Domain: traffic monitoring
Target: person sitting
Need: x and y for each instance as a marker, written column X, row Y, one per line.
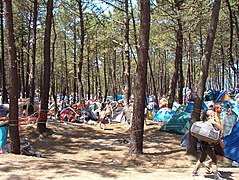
column 86, row 118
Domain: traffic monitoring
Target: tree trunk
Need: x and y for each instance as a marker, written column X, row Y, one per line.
column 33, row 64
column 41, row 126
column 98, row 81
column 137, row 128
column 165, row 72
column 66, row 71
column 127, row 92
column 152, row 78
column 28, row 58
column 53, row 80
column 192, row 145
column 180, row 58
column 2, row 66
column 75, row 71
column 134, row 27
column 114, row 76
column 88, row 69
column 105, row 78
column 13, row 113
column 82, row 38
column 22, row 71
column 177, row 75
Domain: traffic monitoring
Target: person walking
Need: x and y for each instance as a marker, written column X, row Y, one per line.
column 212, row 150
column 217, row 147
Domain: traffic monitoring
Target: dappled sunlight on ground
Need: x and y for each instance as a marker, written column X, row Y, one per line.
column 87, row 152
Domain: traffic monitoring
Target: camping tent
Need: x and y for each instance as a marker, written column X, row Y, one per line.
column 119, row 116
column 231, row 142
column 223, row 96
column 184, row 141
column 228, row 123
column 211, row 95
column 119, row 97
column 90, row 114
column 191, row 105
column 163, row 114
column 179, row 123
column 64, row 114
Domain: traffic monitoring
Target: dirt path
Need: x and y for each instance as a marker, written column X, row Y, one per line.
column 87, row 152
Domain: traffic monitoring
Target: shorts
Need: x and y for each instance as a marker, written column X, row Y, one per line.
column 218, row 149
column 102, row 120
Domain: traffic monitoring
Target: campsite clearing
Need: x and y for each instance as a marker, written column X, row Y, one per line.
column 87, row 152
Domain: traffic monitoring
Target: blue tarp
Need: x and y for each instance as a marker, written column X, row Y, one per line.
column 3, row 135
column 231, row 142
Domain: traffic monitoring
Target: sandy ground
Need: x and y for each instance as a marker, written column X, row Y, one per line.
column 87, row 152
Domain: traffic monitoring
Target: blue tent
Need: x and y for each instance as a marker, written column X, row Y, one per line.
column 119, row 97
column 164, row 114
column 228, row 123
column 231, row 142
column 184, row 141
column 191, row 105
column 223, row 96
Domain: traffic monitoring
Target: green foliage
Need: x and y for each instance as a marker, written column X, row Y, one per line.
column 104, row 35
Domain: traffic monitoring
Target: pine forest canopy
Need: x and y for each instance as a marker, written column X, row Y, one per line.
column 88, row 40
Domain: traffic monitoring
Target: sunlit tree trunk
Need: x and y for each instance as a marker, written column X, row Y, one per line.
column 137, row 128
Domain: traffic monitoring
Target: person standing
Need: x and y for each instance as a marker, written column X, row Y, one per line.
column 102, row 115
column 108, row 111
